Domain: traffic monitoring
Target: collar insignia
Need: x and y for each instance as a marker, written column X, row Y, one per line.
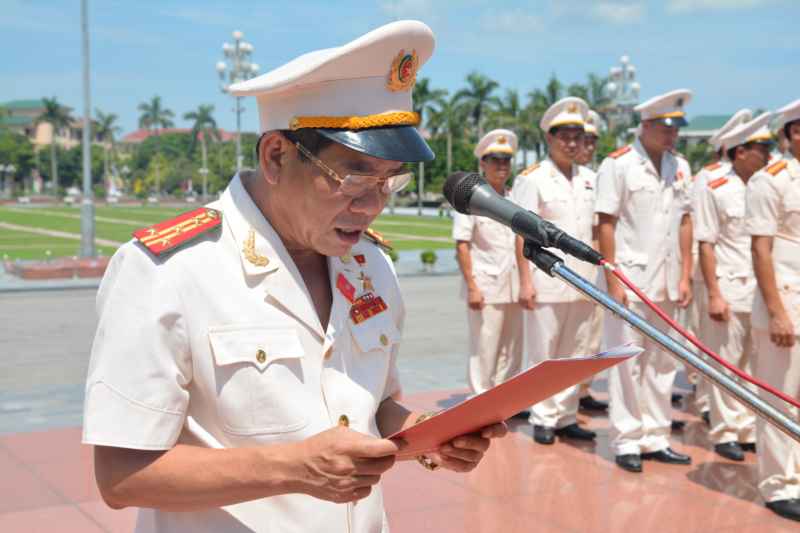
column 249, row 250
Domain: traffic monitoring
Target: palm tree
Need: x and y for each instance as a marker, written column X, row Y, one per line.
column 448, row 118
column 478, row 96
column 424, row 98
column 154, row 117
column 539, row 101
column 204, row 126
column 105, row 129
column 510, row 114
column 59, row 118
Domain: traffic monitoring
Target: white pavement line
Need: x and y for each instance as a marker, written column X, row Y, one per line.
column 54, row 233
column 127, row 222
column 409, row 237
column 379, row 222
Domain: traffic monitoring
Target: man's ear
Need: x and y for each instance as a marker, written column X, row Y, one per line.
column 273, row 150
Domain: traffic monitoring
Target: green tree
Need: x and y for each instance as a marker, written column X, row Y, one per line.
column 154, row 117
column 17, row 150
column 203, row 126
column 479, row 97
column 105, row 129
column 448, row 120
column 424, row 101
column 59, row 118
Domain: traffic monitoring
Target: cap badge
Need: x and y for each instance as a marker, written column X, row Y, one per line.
column 403, row 73
column 572, row 108
column 502, row 140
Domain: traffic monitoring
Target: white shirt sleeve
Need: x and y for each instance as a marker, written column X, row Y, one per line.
column 609, row 188
column 706, row 216
column 463, row 226
column 526, row 193
column 763, row 205
column 140, row 367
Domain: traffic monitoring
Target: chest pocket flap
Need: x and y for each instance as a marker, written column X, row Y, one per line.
column 377, row 333
column 255, row 344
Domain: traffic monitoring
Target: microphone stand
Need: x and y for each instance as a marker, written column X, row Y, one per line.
column 555, row 267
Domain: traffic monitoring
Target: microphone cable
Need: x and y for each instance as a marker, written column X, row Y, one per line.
column 694, row 340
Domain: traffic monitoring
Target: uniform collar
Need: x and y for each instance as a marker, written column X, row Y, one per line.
column 262, row 253
column 668, row 163
column 793, row 166
column 555, row 172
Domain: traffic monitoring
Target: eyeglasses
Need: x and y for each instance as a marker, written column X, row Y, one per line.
column 355, row 185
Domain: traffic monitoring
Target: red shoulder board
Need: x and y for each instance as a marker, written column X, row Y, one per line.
column 378, row 239
column 170, row 234
column 718, row 182
column 775, row 168
column 712, row 166
column 621, row 151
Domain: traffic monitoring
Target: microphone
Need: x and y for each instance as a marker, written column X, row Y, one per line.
column 469, row 194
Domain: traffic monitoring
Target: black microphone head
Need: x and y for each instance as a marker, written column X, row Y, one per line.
column 459, row 187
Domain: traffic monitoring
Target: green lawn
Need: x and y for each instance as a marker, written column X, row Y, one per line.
column 117, row 223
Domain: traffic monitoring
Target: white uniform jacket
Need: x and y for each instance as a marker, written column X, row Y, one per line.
column 773, row 209
column 214, row 346
column 719, row 220
column 569, row 204
column 494, row 266
column 649, row 209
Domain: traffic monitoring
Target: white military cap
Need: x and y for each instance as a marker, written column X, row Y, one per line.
column 500, row 142
column 740, row 117
column 569, row 111
column 755, row 131
column 592, row 125
column 788, row 113
column 667, row 107
column 358, row 94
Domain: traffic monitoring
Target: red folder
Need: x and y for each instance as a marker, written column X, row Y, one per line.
column 505, row 400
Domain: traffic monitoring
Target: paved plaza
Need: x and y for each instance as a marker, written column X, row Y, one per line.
column 47, row 483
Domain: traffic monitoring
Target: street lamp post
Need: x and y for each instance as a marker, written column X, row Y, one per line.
column 238, row 68
column 204, row 172
column 87, row 202
column 623, row 91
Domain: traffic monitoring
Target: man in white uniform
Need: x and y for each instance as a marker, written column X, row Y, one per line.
column 485, row 253
column 643, row 202
column 244, row 382
column 727, row 268
column 773, row 220
column 562, row 192
column 718, row 168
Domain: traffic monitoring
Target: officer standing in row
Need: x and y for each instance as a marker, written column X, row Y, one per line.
column 727, row 268
column 557, row 316
column 773, row 221
column 245, row 381
column 485, row 254
column 643, row 204
column 719, row 167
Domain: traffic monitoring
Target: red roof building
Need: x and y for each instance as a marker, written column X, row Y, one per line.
column 140, row 135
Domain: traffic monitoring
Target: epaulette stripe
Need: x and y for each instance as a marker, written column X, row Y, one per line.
column 713, row 166
column 177, row 231
column 529, row 169
column 718, row 182
column 775, row 168
column 378, row 238
column 621, row 151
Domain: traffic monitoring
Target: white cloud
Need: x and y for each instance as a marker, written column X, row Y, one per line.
column 618, row 12
column 687, row 6
column 516, row 21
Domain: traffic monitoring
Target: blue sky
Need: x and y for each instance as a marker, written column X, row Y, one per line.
column 731, row 53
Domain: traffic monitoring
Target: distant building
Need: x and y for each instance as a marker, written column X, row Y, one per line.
column 702, row 127
column 20, row 117
column 141, row 135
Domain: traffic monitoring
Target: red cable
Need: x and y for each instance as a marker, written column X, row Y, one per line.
column 694, row 340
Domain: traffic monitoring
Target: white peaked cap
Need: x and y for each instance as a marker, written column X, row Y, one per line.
column 788, row 113
column 497, row 142
column 666, row 106
column 569, row 111
column 740, row 117
column 592, row 125
column 757, row 130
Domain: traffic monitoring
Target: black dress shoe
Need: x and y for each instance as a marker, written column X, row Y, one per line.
column 706, row 416
column 522, row 414
column 588, row 403
column 786, row 508
column 632, row 462
column 676, row 399
column 574, row 431
column 677, row 425
column 544, row 434
column 668, row 455
column 730, row 450
column 748, row 446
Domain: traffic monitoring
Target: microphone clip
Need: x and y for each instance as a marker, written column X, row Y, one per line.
column 543, row 259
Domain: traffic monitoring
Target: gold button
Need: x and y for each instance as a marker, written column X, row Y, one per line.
column 329, row 352
column 344, row 421
column 384, row 339
column 261, row 356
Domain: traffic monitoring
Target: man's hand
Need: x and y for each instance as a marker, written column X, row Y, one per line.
column 475, row 298
column 781, row 331
column 463, row 453
column 617, row 291
column 684, row 293
column 718, row 308
column 527, row 296
column 341, row 465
